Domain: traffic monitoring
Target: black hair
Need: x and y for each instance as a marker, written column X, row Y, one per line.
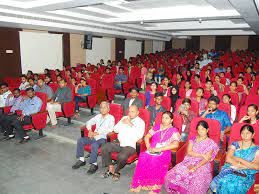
column 249, row 128
column 203, row 124
column 187, row 100
column 180, row 75
column 158, row 94
column 29, row 89
column 198, row 76
column 189, row 82
column 241, row 78
column 134, row 88
column 209, row 81
column 23, row 75
column 4, row 84
column 214, row 99
column 122, row 68
column 171, row 115
column 234, row 83
column 228, row 97
column 31, row 79
column 17, row 89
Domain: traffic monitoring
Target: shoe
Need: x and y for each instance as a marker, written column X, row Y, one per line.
column 23, row 141
column 7, row 138
column 93, row 168
column 106, row 174
column 78, row 164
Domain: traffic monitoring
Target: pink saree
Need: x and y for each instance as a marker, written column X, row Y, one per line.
column 180, row 180
column 151, row 169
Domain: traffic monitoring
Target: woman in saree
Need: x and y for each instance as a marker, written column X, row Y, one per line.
column 242, row 163
column 153, row 164
column 194, row 173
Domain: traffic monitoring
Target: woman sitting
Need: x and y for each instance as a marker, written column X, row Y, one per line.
column 221, row 86
column 166, row 86
column 226, row 98
column 187, row 91
column 83, row 90
column 174, row 96
column 153, row 164
column 187, row 115
column 252, row 115
column 199, row 98
column 194, row 173
column 151, row 94
column 242, row 163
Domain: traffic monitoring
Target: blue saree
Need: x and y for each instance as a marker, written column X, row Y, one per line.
column 227, row 183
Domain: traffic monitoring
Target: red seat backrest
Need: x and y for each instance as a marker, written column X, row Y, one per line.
column 145, row 116
column 72, row 87
column 214, row 128
column 252, row 99
column 177, row 122
column 242, row 112
column 43, row 98
column 54, row 86
column 235, row 133
column 116, row 111
column 107, row 81
column 226, row 108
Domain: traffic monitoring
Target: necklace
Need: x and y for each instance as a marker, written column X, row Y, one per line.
column 162, row 135
column 201, row 139
column 241, row 153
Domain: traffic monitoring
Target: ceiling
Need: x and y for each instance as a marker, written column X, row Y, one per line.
column 136, row 19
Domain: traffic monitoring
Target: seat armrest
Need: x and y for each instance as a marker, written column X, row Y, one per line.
column 83, row 131
column 39, row 120
column 111, row 136
column 6, row 109
column 174, row 153
column 140, row 146
column 68, row 108
column 219, row 161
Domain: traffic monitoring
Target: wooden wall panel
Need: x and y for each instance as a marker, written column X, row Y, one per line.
column 253, row 43
column 10, row 64
column 119, row 49
column 223, row 43
column 168, row 45
column 193, row 43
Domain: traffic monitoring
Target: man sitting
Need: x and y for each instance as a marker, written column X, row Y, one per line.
column 5, row 95
column 63, row 94
column 44, row 88
column 133, row 100
column 24, row 83
column 32, row 83
column 120, row 78
column 14, row 102
column 130, row 129
column 104, row 124
column 156, row 108
column 213, row 112
column 31, row 105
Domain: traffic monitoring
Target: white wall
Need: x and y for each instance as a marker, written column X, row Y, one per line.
column 101, row 49
column 132, row 48
column 157, row 46
column 40, row 51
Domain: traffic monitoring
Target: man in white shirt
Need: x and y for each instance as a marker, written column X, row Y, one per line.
column 104, row 124
column 130, row 129
column 7, row 94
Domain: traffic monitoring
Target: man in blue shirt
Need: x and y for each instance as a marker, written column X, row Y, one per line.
column 220, row 69
column 214, row 113
column 31, row 104
column 120, row 78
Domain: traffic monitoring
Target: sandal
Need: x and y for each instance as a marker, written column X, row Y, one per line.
column 116, row 176
column 106, row 174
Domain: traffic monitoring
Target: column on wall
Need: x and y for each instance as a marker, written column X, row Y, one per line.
column 178, row 43
column 119, row 49
column 207, row 42
column 77, row 53
column 148, row 46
